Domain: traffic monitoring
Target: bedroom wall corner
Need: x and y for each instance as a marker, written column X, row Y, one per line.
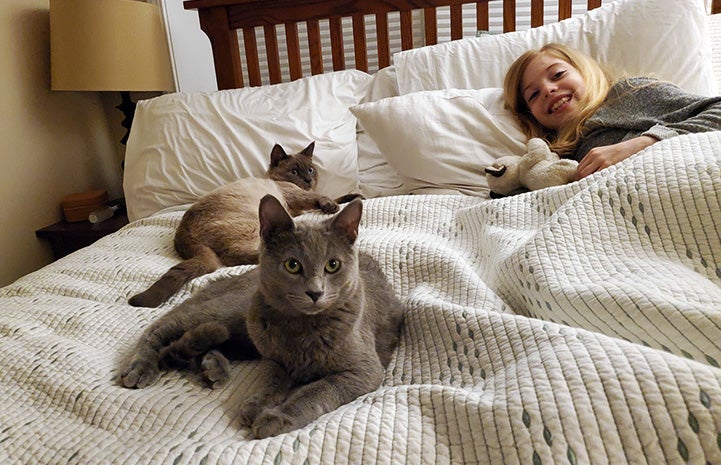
column 52, row 143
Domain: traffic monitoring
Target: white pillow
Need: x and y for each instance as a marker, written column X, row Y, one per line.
column 665, row 39
column 184, row 145
column 441, row 141
column 376, row 177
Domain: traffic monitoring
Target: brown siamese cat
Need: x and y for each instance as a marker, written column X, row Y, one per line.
column 221, row 228
column 319, row 313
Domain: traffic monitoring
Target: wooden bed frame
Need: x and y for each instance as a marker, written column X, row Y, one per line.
column 222, row 19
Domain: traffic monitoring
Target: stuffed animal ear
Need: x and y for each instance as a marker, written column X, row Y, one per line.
column 502, row 176
column 496, row 171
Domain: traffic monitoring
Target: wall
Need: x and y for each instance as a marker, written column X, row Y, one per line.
column 189, row 48
column 51, row 143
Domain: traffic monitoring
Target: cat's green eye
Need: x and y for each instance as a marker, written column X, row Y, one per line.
column 292, row 266
column 332, row 265
column 294, row 172
column 311, row 170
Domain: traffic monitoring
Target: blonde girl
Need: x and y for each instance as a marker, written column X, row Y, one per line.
column 565, row 97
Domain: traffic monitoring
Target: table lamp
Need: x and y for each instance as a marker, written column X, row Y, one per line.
column 109, row 45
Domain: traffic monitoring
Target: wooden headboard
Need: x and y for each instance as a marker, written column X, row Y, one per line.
column 222, row 19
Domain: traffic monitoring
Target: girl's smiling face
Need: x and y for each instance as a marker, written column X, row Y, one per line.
column 552, row 89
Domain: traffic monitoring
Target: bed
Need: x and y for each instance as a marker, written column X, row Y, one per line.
column 574, row 324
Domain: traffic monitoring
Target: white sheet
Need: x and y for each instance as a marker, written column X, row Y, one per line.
column 619, row 364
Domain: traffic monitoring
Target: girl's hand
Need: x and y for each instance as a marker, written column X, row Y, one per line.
column 599, row 158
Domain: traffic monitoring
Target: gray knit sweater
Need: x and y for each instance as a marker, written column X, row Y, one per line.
column 644, row 106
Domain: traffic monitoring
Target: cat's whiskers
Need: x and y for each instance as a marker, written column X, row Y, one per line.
column 305, row 304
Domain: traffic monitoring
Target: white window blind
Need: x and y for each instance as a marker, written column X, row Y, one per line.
column 495, row 21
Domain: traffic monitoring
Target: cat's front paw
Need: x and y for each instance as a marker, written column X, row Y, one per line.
column 215, row 369
column 327, row 205
column 251, row 409
column 257, row 403
column 139, row 373
column 271, row 422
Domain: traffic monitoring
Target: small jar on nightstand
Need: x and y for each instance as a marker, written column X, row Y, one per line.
column 66, row 237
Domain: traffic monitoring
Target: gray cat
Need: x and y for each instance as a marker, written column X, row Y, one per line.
column 221, row 228
column 319, row 313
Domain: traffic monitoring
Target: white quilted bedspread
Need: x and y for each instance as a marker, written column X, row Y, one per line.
column 578, row 324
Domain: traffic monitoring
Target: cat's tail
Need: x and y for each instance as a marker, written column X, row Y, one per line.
column 203, row 262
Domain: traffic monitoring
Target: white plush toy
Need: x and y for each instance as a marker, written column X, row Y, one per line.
column 537, row 169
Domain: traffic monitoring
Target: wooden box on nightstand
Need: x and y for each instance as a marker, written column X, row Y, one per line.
column 67, row 237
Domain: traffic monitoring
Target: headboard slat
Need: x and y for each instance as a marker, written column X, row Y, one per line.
column 359, row 43
column 292, row 42
column 431, row 26
column 336, row 43
column 314, row 46
column 482, row 16
column 509, row 15
column 406, row 30
column 383, row 40
column 272, row 55
column 456, row 22
column 536, row 13
column 251, row 56
column 564, row 9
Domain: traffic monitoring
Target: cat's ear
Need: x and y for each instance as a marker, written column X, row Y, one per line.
column 308, row 151
column 273, row 217
column 346, row 221
column 277, row 155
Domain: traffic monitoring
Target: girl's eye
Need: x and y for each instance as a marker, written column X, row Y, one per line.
column 533, row 95
column 294, row 172
column 559, row 74
column 332, row 265
column 293, row 266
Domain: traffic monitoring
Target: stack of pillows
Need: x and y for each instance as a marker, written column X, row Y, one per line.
column 428, row 124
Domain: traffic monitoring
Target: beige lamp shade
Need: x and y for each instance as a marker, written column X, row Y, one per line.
column 108, row 45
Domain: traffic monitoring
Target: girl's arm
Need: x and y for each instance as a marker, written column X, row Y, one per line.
column 599, row 158
column 639, row 113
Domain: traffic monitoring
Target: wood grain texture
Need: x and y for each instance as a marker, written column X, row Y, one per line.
column 221, row 19
column 359, row 43
column 383, row 40
column 292, row 43
column 336, row 43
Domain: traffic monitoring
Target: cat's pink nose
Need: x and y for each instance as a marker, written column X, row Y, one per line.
column 314, row 295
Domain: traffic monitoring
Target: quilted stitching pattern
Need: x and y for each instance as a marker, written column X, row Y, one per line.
column 577, row 324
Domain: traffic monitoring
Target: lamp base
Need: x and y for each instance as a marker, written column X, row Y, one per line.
column 127, row 106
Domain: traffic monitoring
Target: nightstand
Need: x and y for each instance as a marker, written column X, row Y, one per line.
column 67, row 237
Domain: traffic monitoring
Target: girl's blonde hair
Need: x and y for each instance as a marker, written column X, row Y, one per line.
column 596, row 79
